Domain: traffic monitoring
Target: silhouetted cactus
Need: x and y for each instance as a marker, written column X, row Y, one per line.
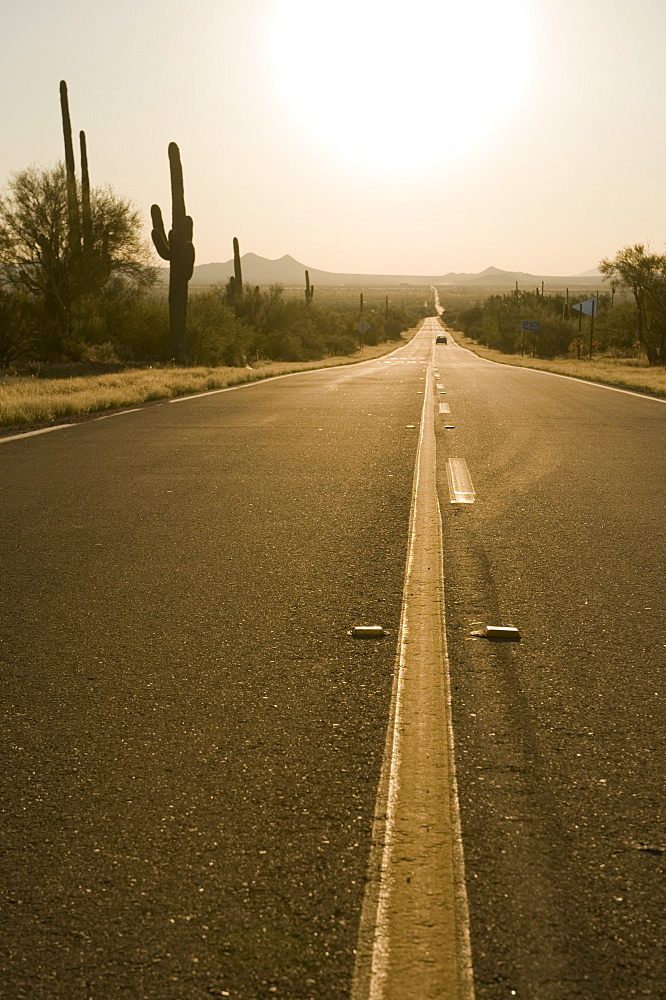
column 309, row 289
column 73, row 216
column 86, row 211
column 178, row 249
column 238, row 274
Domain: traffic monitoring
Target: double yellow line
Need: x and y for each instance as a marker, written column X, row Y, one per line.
column 414, row 933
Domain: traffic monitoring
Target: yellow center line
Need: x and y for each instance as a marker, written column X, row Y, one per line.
column 414, row 936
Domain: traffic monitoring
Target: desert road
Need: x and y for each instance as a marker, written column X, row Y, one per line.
column 204, row 775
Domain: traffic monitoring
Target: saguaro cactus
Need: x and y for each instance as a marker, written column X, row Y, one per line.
column 178, row 249
column 238, row 274
column 73, row 217
column 309, row 289
column 86, row 211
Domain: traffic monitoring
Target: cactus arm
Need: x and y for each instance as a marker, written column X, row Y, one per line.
column 158, row 234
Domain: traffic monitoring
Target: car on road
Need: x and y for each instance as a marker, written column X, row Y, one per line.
column 441, row 339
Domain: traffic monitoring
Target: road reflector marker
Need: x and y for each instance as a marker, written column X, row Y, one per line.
column 367, row 632
column 461, row 488
column 499, row 633
column 410, row 426
column 449, row 427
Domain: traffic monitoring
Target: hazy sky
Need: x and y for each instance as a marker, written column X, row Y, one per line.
column 360, row 135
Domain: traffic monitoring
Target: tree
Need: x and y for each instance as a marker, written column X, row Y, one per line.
column 644, row 273
column 37, row 255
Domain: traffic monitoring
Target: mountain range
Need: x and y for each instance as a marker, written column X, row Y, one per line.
column 289, row 272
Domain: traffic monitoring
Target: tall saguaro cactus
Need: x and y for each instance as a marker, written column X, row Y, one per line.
column 73, row 216
column 178, row 249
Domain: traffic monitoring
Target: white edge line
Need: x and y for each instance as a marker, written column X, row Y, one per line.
column 380, row 957
column 27, row 434
column 108, row 416
column 364, row 976
column 59, row 427
column 571, row 378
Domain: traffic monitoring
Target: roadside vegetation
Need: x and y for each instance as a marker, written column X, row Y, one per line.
column 78, row 283
column 105, row 304
column 618, row 336
column 55, row 394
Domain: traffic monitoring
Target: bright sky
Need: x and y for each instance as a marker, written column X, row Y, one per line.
column 360, row 135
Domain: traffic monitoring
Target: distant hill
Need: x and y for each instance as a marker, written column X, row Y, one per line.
column 290, row 272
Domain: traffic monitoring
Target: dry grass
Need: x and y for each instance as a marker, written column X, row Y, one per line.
column 625, row 373
column 26, row 400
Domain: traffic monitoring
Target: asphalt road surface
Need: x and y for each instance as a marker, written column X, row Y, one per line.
column 192, row 742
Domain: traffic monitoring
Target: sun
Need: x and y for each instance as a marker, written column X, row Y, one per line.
column 397, row 84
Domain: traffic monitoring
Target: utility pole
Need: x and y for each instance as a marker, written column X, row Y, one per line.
column 595, row 310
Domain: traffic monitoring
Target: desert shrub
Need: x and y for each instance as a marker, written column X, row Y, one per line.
column 216, row 336
column 135, row 322
column 18, row 321
column 617, row 330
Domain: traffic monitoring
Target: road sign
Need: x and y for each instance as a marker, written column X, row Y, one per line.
column 530, row 324
column 362, row 326
column 590, row 307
